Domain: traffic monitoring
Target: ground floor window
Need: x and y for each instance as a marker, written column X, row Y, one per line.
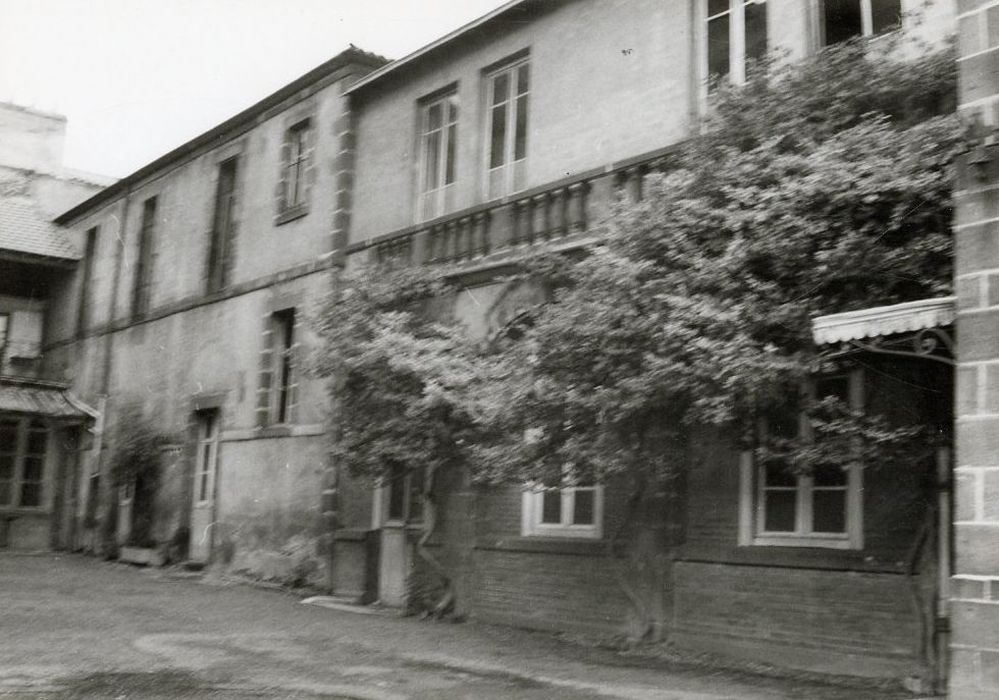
column 24, row 444
column 782, row 506
column 562, row 510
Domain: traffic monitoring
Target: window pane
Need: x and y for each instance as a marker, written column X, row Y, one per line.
column 780, row 475
column 434, row 117
column 885, row 15
column 497, row 155
column 397, row 496
column 583, row 507
column 33, row 468
column 36, row 442
column 842, row 20
column 520, row 147
column 6, row 467
column 829, row 511
column 452, row 135
column 523, row 79
column 551, row 508
column 501, row 88
column 718, row 46
column 8, row 436
column 756, row 30
column 831, row 475
column 833, row 386
column 5, row 493
column 431, row 148
column 452, row 110
column 716, row 6
column 780, row 511
column 31, row 494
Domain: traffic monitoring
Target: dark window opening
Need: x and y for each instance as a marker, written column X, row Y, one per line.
column 144, row 259
column 222, row 227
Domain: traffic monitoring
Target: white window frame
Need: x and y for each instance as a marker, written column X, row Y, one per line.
column 383, row 498
column 736, row 39
column 532, row 512
column 435, row 199
column 208, row 455
column 751, row 501
column 866, row 19
column 511, row 175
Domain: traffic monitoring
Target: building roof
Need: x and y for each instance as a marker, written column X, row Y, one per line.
column 434, row 46
column 24, row 229
column 878, row 321
column 353, row 55
column 41, row 398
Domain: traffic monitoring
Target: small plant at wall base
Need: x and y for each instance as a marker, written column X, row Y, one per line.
column 135, row 468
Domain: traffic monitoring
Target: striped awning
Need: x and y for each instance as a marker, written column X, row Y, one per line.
column 880, row 321
column 42, row 399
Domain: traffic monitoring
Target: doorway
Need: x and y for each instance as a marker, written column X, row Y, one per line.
column 203, row 493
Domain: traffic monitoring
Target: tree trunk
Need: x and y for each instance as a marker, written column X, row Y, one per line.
column 447, row 600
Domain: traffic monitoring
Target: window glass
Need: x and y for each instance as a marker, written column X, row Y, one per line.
column 551, row 510
column 780, row 510
column 498, row 139
column 829, row 511
column 718, row 46
column 755, row 19
column 583, row 507
column 885, row 15
column 842, row 20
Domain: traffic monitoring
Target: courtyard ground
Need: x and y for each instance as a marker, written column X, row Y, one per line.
column 75, row 627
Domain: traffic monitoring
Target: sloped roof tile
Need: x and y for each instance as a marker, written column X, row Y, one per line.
column 24, row 229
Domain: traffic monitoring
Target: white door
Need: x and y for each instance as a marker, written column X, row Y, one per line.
column 203, row 505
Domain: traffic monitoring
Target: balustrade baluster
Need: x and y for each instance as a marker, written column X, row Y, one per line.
column 539, row 218
column 576, row 207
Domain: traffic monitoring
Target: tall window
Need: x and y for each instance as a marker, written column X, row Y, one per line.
column 846, row 19
column 736, row 33
column 438, row 144
column 220, row 252
column 821, row 508
column 508, row 94
column 23, row 448
column 283, row 334
column 144, row 259
column 297, row 150
column 89, row 255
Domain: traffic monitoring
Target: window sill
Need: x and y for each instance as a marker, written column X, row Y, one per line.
column 11, row 512
column 802, row 542
column 789, row 557
column 278, row 430
column 290, row 214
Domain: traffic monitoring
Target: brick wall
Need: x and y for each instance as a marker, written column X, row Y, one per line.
column 975, row 591
column 829, row 621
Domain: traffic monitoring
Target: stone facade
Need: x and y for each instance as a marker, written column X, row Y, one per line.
column 975, row 595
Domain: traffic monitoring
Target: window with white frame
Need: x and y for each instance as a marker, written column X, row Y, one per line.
column 842, row 20
column 438, row 149
column 736, row 33
column 399, row 498
column 782, row 506
column 23, row 449
column 507, row 95
column 568, row 509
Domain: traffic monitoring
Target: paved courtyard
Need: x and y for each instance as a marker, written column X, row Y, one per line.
column 75, row 627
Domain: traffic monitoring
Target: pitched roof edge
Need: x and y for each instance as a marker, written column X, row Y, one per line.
column 434, row 45
column 352, row 55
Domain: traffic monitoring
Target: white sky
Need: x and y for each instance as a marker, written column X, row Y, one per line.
column 135, row 78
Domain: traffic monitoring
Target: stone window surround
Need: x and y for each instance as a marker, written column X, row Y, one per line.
column 302, row 119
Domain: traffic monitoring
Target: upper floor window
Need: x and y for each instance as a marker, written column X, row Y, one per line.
column 846, row 19
column 736, row 33
column 508, row 91
column 282, row 383
column 438, row 145
column 571, row 508
column 144, row 259
column 223, row 227
column 86, row 281
column 787, row 507
column 297, row 170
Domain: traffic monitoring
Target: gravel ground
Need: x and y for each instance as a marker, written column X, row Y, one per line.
column 75, row 627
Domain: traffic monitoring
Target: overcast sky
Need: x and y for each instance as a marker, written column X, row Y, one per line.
column 135, row 78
